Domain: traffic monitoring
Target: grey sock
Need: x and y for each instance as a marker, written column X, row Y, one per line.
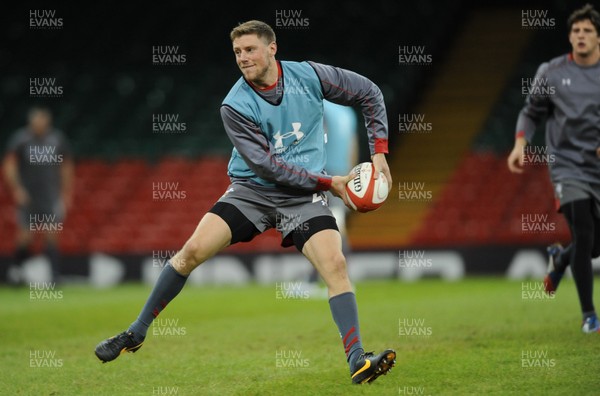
column 345, row 314
column 167, row 287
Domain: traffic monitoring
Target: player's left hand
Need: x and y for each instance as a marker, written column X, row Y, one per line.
column 338, row 187
column 380, row 164
column 598, row 152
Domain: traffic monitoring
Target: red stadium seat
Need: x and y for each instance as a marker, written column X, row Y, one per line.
column 482, row 203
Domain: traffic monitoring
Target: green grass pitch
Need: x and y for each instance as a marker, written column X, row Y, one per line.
column 478, row 336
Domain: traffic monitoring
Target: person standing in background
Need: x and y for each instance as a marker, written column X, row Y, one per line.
column 38, row 170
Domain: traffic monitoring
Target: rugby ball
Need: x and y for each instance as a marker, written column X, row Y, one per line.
column 365, row 193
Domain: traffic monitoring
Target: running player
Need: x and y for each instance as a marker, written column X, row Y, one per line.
column 38, row 170
column 274, row 118
column 567, row 91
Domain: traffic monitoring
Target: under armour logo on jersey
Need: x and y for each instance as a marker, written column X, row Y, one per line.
column 566, row 81
column 296, row 133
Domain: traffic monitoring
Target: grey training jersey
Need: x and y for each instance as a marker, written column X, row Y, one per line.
column 569, row 95
column 39, row 159
column 339, row 86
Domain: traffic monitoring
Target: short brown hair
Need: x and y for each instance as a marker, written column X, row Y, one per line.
column 583, row 13
column 261, row 29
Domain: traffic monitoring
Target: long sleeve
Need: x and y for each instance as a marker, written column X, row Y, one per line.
column 351, row 89
column 536, row 106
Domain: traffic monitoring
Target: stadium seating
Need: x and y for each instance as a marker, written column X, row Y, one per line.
column 456, row 107
column 476, row 200
column 107, row 113
column 484, row 204
column 115, row 210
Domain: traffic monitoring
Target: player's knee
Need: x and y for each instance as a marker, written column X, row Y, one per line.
column 195, row 252
column 336, row 264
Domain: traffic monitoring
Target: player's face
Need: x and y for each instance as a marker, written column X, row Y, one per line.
column 584, row 38
column 40, row 122
column 255, row 58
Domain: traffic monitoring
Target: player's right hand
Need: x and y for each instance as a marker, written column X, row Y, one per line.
column 517, row 155
column 338, row 187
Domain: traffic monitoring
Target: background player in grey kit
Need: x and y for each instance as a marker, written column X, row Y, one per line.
column 38, row 170
column 273, row 115
column 567, row 91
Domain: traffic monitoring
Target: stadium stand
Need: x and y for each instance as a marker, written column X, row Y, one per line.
column 460, row 98
column 113, row 90
column 482, row 202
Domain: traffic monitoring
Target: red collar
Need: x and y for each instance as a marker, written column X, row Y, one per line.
column 270, row 87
